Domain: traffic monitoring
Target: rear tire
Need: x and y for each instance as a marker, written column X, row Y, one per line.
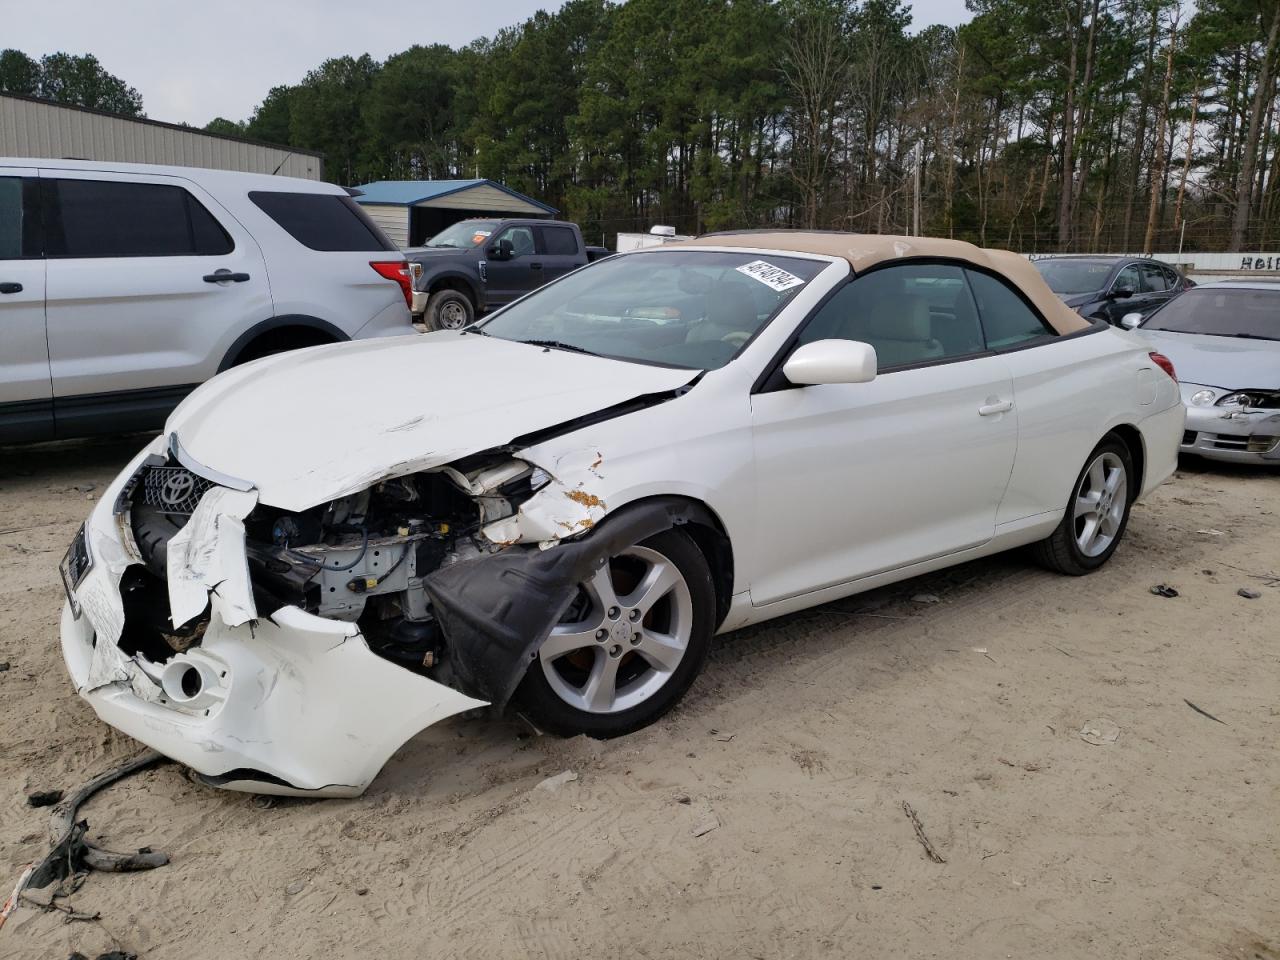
column 630, row 646
column 449, row 310
column 1097, row 514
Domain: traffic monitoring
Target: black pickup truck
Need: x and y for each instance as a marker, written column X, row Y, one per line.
column 476, row 265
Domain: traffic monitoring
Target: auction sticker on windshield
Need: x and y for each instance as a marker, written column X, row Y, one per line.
column 775, row 278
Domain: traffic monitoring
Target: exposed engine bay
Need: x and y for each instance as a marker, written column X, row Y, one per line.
column 360, row 559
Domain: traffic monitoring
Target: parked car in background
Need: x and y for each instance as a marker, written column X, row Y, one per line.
column 1225, row 340
column 477, row 265
column 312, row 587
column 124, row 286
column 1107, row 288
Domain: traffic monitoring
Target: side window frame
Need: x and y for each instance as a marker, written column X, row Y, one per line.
column 51, row 219
column 772, row 379
column 31, row 235
column 542, row 247
column 1047, row 335
column 533, row 237
column 1115, row 284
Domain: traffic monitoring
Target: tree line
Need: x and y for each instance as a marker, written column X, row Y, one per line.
column 1074, row 125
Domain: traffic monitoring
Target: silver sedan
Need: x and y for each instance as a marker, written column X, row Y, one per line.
column 1224, row 340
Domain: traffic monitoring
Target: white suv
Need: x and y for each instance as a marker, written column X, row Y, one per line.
column 124, row 286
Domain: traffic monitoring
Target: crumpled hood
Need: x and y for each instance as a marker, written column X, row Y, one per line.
column 308, row 426
column 1227, row 362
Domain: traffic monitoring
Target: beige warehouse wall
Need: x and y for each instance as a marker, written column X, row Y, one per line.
column 37, row 129
column 394, row 221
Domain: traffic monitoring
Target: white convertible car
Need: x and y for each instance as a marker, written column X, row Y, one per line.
column 555, row 510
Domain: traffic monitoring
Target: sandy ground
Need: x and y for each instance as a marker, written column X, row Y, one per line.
column 800, row 743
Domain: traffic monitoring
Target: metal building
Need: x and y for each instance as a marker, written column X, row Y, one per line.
column 411, row 212
column 41, row 128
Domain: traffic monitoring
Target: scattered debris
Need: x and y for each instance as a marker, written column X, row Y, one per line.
column 952, row 793
column 73, row 856
column 721, row 735
column 4, row 666
column 1007, row 763
column 1248, row 594
column 683, row 798
column 926, row 598
column 44, row 798
column 295, row 888
column 86, row 487
column 552, row 784
column 1100, row 731
column 1210, row 532
column 1164, row 590
column 362, row 891
column 11, row 904
column 706, row 824
column 1204, row 713
column 920, row 834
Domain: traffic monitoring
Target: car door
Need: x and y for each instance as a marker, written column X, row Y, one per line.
column 857, row 479
column 145, row 275
column 26, row 393
column 1060, row 393
column 559, row 251
column 509, row 280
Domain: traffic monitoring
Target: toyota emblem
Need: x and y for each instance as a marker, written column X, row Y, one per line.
column 177, row 487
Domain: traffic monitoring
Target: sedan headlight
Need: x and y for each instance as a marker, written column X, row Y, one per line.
column 1202, row 398
column 1237, row 400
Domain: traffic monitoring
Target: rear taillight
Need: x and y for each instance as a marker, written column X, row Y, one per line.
column 1165, row 364
column 397, row 270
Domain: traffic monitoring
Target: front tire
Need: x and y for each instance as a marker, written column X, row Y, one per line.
column 1097, row 514
column 449, row 310
column 629, row 646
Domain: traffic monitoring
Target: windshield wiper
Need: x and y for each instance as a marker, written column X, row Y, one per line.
column 1248, row 336
column 560, row 345
column 451, row 246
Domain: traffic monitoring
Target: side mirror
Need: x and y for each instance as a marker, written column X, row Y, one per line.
column 1130, row 321
column 1120, row 293
column 831, row 361
column 502, row 250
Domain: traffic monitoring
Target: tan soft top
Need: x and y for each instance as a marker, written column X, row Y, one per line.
column 866, row 250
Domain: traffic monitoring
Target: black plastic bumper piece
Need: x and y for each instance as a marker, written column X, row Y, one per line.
column 496, row 610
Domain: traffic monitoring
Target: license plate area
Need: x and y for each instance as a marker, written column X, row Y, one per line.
column 75, row 565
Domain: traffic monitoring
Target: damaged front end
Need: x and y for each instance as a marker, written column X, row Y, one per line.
column 293, row 651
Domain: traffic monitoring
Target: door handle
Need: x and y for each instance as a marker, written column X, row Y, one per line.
column 535, row 266
column 991, row 409
column 9, row 287
column 220, row 276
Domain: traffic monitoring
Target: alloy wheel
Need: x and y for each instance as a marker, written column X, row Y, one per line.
column 624, row 636
column 1100, row 503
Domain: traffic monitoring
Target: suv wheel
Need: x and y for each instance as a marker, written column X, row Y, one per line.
column 449, row 310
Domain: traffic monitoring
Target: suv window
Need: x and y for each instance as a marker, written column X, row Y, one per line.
column 10, row 218
column 559, row 241
column 1153, row 278
column 1007, row 320
column 911, row 314
column 1127, row 279
column 112, row 218
column 323, row 221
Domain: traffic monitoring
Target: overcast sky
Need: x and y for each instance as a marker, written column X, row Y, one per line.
column 195, row 61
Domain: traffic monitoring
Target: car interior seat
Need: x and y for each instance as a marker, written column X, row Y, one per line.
column 730, row 310
column 900, row 328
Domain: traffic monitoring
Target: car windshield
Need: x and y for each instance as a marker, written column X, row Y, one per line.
column 1066, row 277
column 468, row 233
column 1224, row 312
column 681, row 308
